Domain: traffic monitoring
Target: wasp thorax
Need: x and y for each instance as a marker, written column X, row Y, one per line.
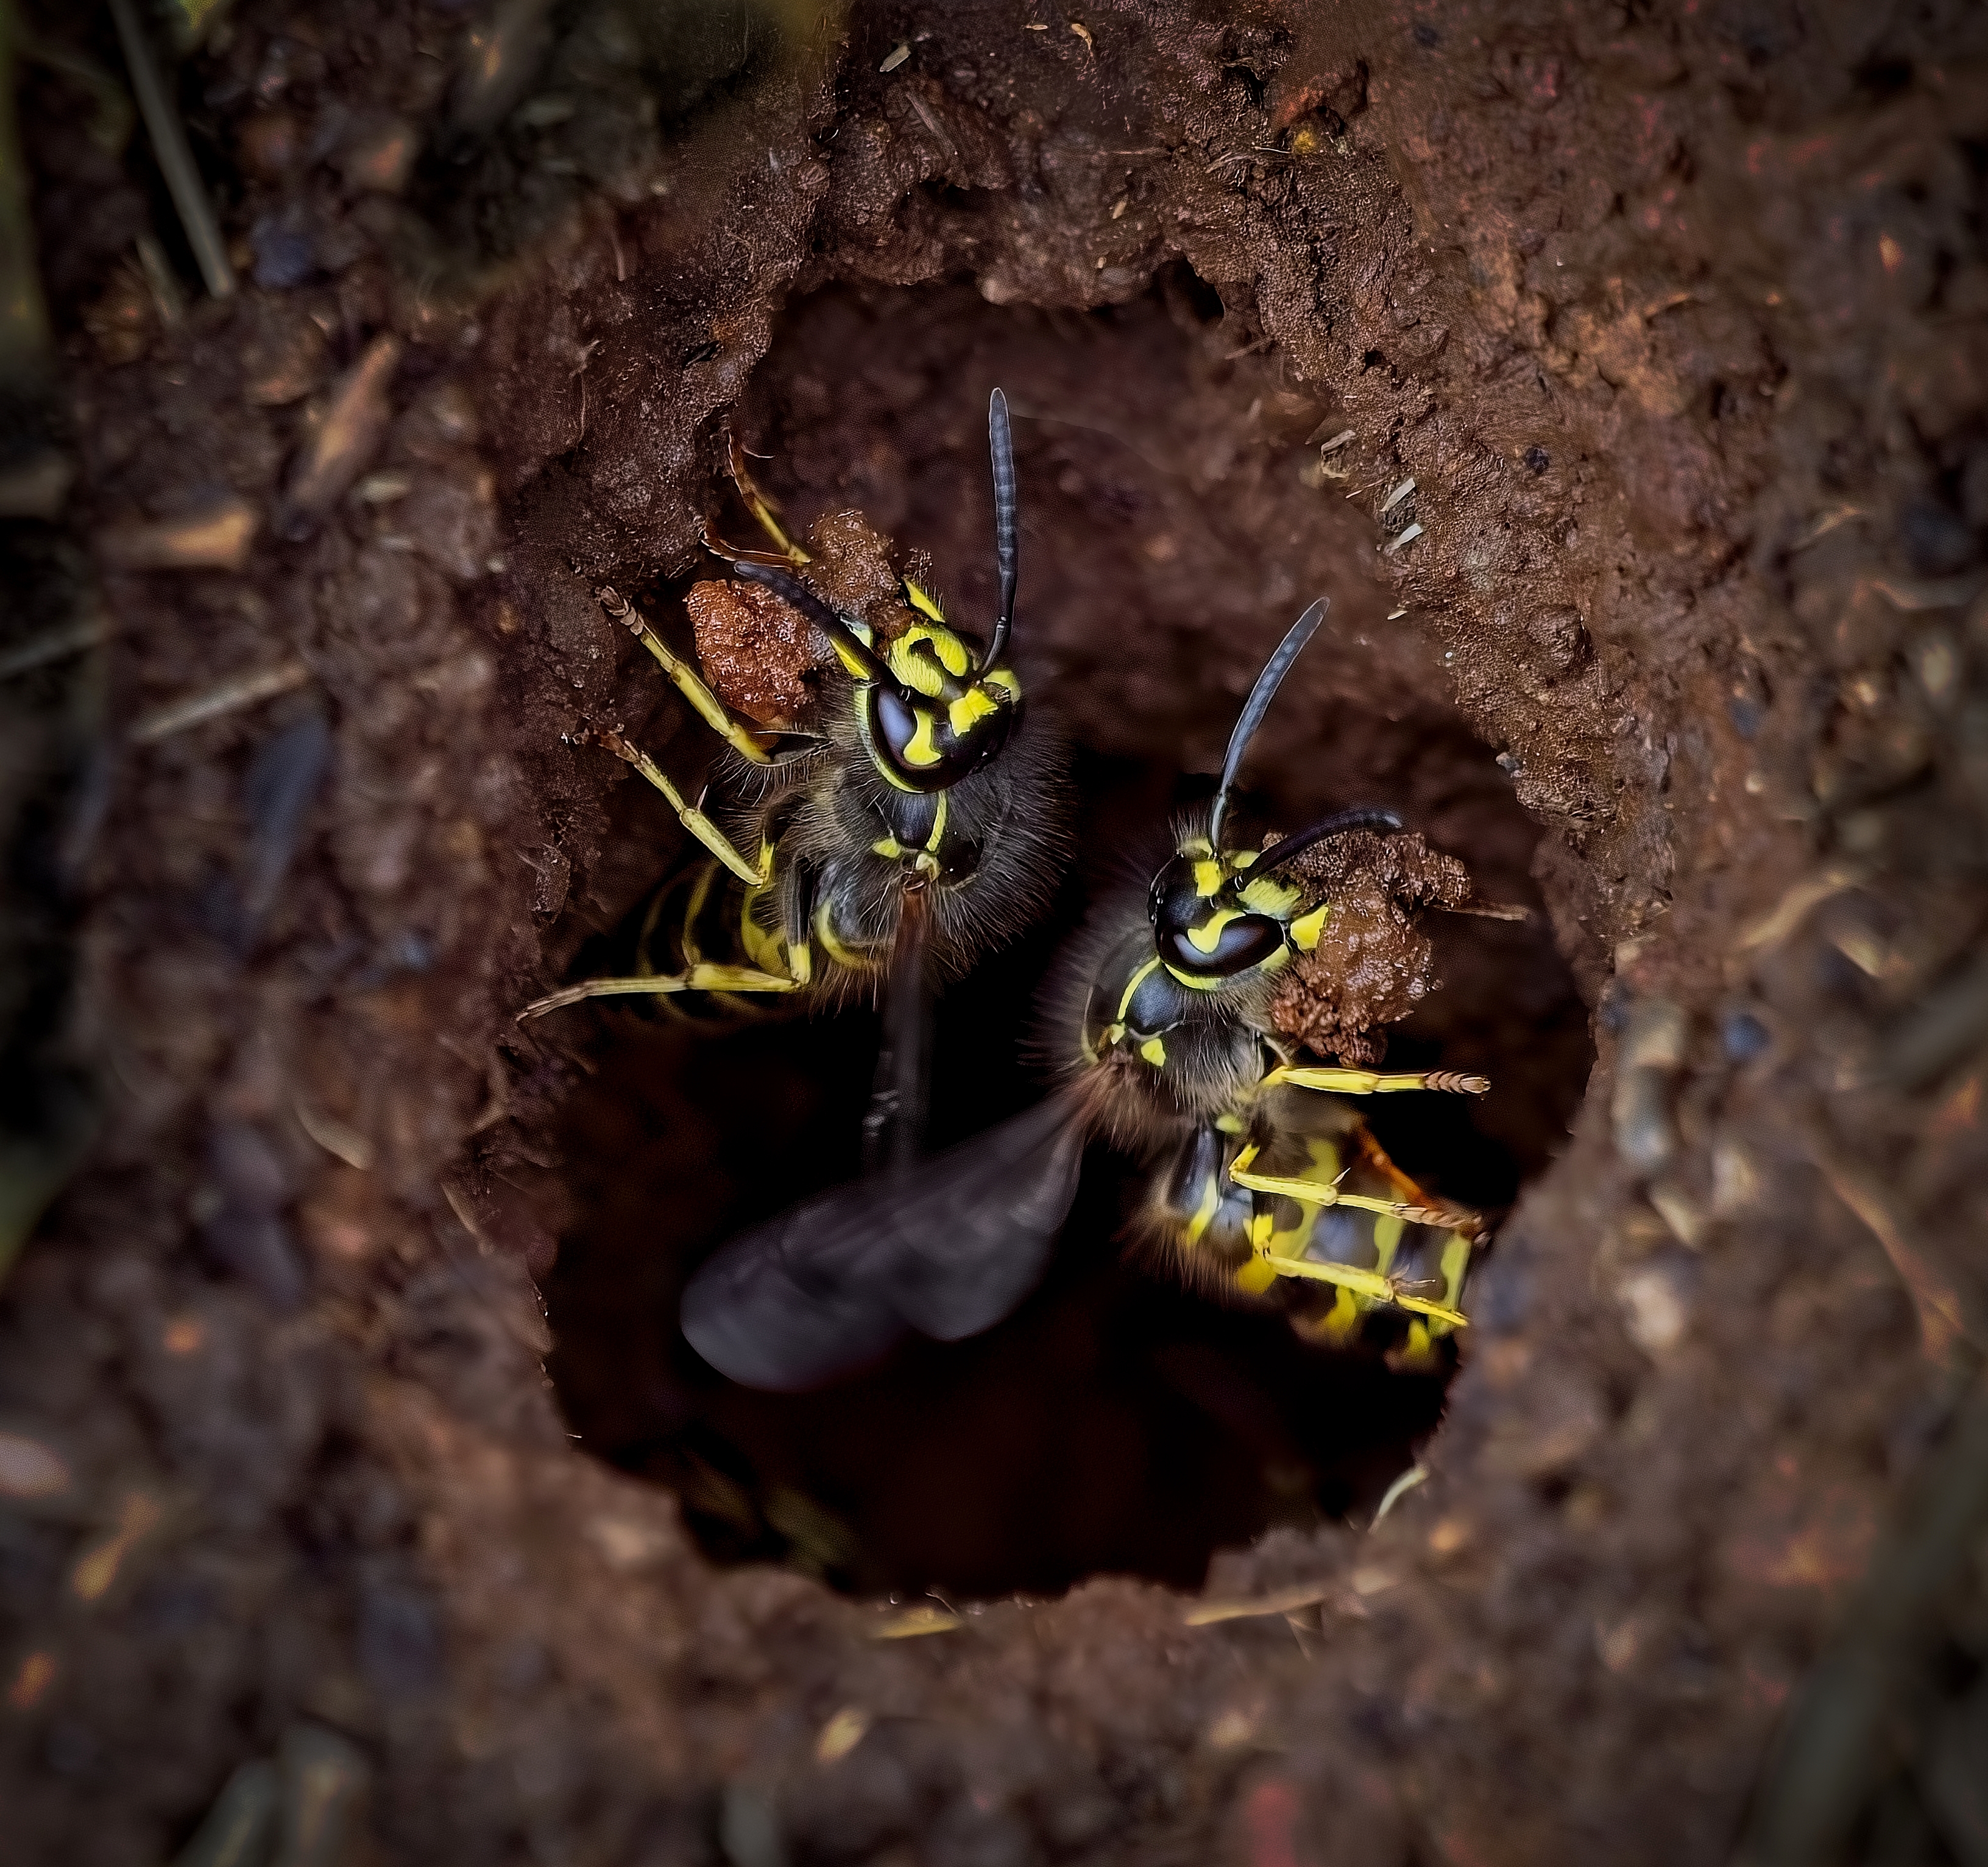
column 1201, row 928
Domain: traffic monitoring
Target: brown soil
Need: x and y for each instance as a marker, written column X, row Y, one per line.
column 1675, row 324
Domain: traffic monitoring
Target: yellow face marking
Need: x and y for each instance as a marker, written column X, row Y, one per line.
column 1306, row 930
column 1154, row 1052
column 889, row 847
column 975, row 703
column 1229, row 1124
column 1005, row 679
column 951, row 653
column 1209, row 877
column 1131, row 986
column 922, row 657
column 939, row 826
column 1268, row 896
column 920, row 601
column 847, row 657
column 1206, row 937
column 919, row 749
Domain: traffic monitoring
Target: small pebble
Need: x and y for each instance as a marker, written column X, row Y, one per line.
column 1640, row 1111
column 1743, row 1036
column 29, row 1469
column 282, row 254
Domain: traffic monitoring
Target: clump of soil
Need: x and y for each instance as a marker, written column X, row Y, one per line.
column 1373, row 965
column 1614, row 377
column 756, row 651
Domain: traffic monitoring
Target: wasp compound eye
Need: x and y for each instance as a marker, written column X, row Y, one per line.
column 1218, row 944
column 918, row 750
column 1196, row 933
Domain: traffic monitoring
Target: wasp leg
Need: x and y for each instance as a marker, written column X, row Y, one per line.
column 691, row 684
column 704, row 977
column 1369, row 1284
column 1372, row 1082
column 694, row 820
column 761, row 508
column 1326, row 1193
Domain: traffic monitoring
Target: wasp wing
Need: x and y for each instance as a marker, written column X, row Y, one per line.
column 893, row 1125
column 947, row 1248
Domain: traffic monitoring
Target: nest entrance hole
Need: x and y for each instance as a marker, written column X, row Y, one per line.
column 1173, row 522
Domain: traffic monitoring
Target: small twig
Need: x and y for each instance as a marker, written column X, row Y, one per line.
column 1407, row 1482
column 176, row 162
column 1262, row 343
column 231, row 696
column 53, row 645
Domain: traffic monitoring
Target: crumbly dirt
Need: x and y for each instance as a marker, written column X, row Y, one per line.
column 756, row 651
column 1374, row 963
column 1620, row 376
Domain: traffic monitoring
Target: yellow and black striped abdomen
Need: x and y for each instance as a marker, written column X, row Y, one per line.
column 1219, row 1233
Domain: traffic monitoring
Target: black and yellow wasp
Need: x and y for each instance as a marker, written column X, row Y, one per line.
column 1266, row 1179
column 909, row 819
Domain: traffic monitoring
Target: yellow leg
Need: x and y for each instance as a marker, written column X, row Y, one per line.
column 687, row 679
column 700, row 978
column 1372, row 1082
column 760, row 505
column 1369, row 1284
column 699, row 825
column 1326, row 1193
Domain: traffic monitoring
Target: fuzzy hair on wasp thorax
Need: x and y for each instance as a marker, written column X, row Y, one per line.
column 883, row 780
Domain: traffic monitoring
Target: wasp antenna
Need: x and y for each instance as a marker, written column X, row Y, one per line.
column 792, row 591
column 1001, row 448
column 1258, row 704
column 1361, row 817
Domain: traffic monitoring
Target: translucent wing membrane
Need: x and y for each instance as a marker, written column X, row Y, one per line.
column 946, row 1249
column 893, row 1125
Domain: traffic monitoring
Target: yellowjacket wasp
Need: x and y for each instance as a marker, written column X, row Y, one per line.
column 911, row 818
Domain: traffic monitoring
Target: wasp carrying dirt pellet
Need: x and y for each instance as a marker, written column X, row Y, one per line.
column 1180, row 1025
column 898, row 811
column 1189, row 1012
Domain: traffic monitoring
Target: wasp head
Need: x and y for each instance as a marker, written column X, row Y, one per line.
column 937, row 718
